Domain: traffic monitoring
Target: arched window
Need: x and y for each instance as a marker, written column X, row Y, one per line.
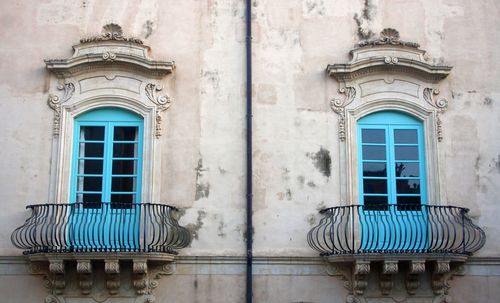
column 391, row 162
column 107, row 158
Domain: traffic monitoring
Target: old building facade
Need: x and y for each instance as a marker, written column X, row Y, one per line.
column 375, row 160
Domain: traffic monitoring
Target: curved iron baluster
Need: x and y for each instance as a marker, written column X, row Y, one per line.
column 395, row 229
column 104, row 226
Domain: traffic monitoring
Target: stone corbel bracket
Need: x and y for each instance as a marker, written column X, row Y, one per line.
column 389, row 268
column 144, row 274
column 356, row 272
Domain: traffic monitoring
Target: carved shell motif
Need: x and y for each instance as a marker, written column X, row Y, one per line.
column 389, row 35
column 111, row 31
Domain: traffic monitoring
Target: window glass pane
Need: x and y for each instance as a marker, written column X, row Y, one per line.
column 411, row 186
column 89, row 200
column 89, row 183
column 373, row 152
column 373, row 135
column 406, row 152
column 92, row 133
column 125, row 133
column 91, row 149
column 120, row 201
column 407, row 169
column 124, row 150
column 374, row 186
column 375, row 203
column 374, row 169
column 90, row 167
column 405, row 136
column 409, row 203
column 123, row 167
column 123, row 184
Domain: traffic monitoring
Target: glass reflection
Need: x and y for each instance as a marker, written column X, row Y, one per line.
column 373, row 135
column 373, row 152
column 406, row 152
column 411, row 186
column 405, row 136
column 374, row 169
column 374, row 186
column 407, row 169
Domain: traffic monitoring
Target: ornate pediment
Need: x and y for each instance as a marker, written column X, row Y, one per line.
column 108, row 50
column 388, row 54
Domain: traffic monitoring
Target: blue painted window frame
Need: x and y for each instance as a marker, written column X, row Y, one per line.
column 390, row 121
column 109, row 118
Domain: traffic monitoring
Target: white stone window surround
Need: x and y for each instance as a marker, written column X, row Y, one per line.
column 350, row 146
column 383, row 75
column 107, row 70
column 64, row 143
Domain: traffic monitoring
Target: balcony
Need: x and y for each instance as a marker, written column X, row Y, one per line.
column 122, row 237
column 387, row 238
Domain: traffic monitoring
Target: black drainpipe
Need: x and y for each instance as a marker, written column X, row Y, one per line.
column 249, row 231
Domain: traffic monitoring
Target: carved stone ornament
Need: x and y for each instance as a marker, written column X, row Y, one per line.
column 162, row 102
column 338, row 106
column 388, row 36
column 111, row 31
column 387, row 69
column 59, row 270
column 55, row 102
column 357, row 271
column 440, row 104
column 84, row 270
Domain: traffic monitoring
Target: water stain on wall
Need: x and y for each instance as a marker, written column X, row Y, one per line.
column 194, row 228
column 202, row 187
column 363, row 20
column 322, row 161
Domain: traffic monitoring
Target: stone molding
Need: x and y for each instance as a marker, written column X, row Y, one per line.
column 356, row 272
column 388, row 74
column 108, row 70
column 142, row 270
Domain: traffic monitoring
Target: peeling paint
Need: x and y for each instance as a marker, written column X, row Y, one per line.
column 148, row 28
column 202, row 191
column 316, row 7
column 311, row 184
column 220, row 229
column 321, row 206
column 202, row 188
column 301, row 180
column 322, row 161
column 311, row 219
column 287, row 194
column 364, row 19
column 194, row 228
column 488, row 101
column 495, row 163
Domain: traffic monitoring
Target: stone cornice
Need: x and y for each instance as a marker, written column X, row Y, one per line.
column 110, row 50
column 65, row 68
column 387, row 64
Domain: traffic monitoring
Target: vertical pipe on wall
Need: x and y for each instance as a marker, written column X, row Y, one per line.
column 249, row 173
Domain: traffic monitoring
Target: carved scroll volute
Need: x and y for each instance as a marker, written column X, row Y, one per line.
column 162, row 103
column 440, row 104
column 338, row 106
column 55, row 102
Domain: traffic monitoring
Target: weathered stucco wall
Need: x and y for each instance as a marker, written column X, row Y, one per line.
column 296, row 143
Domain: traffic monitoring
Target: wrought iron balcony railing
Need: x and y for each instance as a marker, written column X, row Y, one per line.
column 396, row 229
column 100, row 227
